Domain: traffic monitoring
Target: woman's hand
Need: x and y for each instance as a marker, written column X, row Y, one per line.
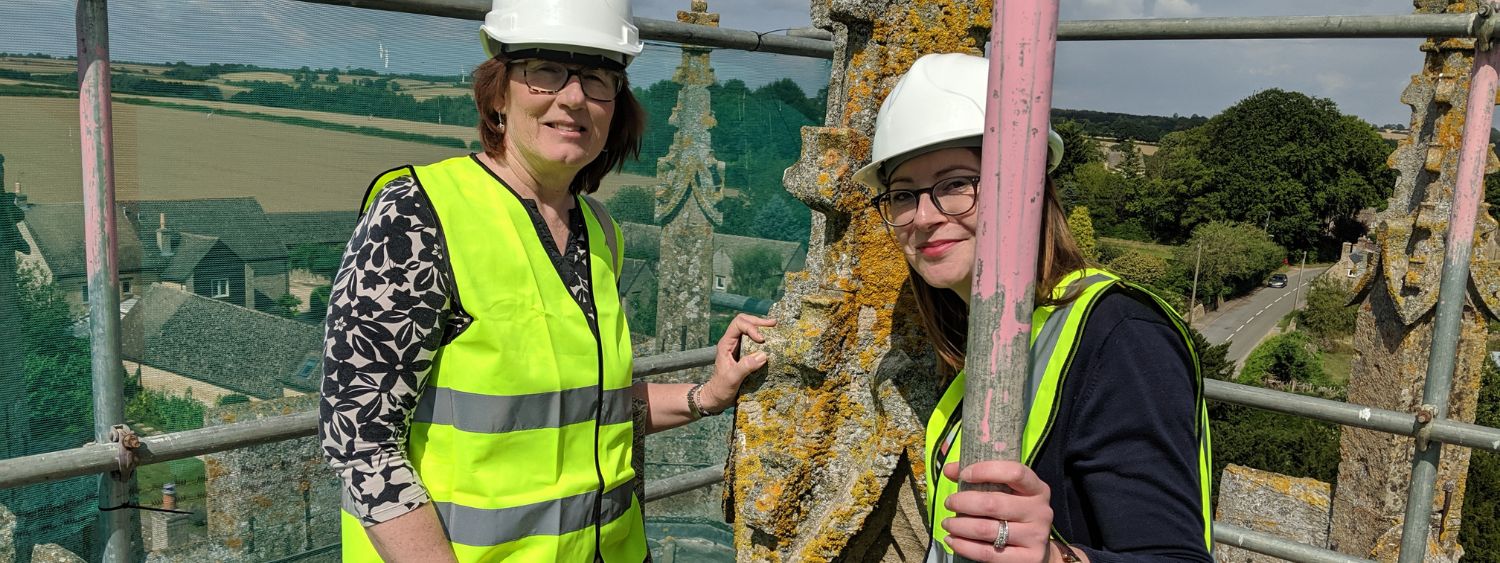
column 1026, row 512
column 720, row 391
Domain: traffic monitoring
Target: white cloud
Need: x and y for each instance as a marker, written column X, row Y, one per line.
column 1103, row 9
column 1172, row 9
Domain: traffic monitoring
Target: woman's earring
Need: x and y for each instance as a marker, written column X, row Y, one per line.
column 500, row 122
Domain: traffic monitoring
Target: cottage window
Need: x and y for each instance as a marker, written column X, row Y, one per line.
column 719, row 283
column 221, row 288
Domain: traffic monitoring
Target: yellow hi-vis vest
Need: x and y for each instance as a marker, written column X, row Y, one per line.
column 522, row 435
column 1055, row 332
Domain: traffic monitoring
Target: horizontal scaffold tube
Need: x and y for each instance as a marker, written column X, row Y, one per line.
column 1267, row 544
column 651, row 29
column 1250, row 27
column 1369, row 418
column 677, row 484
column 96, row 458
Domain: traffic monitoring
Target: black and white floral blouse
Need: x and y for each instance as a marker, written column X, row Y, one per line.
column 393, row 305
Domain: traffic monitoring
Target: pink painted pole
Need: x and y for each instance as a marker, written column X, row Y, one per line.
column 1447, row 323
column 119, row 529
column 1023, row 45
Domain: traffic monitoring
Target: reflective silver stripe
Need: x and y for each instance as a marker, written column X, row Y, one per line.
column 935, row 553
column 472, row 412
column 1041, row 352
column 495, row 526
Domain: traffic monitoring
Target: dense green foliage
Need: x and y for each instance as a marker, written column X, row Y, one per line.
column 1282, row 360
column 1235, row 259
column 757, row 135
column 165, row 411
column 1284, row 160
column 1148, row 128
column 1082, row 229
column 757, row 273
column 320, row 259
column 1140, row 267
column 1329, row 314
column 1480, row 532
column 373, row 98
column 57, row 369
column 634, row 204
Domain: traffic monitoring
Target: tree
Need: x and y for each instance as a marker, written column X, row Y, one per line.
column 1480, row 532
column 1283, row 359
column 757, row 273
column 1329, row 314
column 1295, row 165
column 333, row 76
column 1140, row 267
column 1078, row 149
column 1236, row 258
column 320, row 259
column 634, row 204
column 1082, row 228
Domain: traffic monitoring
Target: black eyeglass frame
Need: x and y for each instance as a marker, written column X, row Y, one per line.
column 888, row 195
column 569, row 71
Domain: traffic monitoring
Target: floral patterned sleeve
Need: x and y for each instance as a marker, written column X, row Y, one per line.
column 391, row 307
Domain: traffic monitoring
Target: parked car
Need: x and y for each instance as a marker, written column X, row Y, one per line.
column 1277, row 280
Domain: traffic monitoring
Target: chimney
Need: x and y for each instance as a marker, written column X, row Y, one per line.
column 163, row 239
column 20, row 197
column 169, row 496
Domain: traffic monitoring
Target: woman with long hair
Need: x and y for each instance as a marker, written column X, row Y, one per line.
column 1114, row 454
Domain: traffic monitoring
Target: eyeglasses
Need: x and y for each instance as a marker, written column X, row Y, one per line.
column 953, row 196
column 547, row 77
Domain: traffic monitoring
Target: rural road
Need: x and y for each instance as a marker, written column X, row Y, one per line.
column 1244, row 322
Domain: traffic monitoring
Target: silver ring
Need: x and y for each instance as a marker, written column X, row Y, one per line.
column 1002, row 536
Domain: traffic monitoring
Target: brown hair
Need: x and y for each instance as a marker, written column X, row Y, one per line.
column 625, row 130
column 944, row 314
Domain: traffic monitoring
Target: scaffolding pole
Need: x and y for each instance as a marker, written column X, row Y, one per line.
column 1400, row 26
column 96, row 135
column 1012, row 179
column 651, row 29
column 1452, row 293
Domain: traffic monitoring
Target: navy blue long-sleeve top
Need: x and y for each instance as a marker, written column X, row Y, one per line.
column 1122, row 459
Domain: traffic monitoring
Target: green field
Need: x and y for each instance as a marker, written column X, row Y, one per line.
column 1161, row 250
column 163, row 153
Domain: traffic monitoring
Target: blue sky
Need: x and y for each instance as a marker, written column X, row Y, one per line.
column 1365, row 77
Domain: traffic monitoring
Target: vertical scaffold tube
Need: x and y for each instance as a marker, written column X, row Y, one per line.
column 116, row 527
column 1452, row 292
column 1023, row 44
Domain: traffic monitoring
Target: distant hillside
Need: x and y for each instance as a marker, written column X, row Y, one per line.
column 1148, row 128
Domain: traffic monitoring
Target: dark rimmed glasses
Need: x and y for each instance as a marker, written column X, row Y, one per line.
column 548, row 77
column 952, row 196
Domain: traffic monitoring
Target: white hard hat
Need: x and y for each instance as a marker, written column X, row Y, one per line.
column 591, row 27
column 939, row 103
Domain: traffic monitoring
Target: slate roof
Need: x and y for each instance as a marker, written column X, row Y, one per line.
column 57, row 229
column 225, row 345
column 240, row 223
column 320, row 227
column 190, row 251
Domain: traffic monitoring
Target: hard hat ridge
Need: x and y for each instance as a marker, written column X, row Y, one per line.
column 938, row 103
column 603, row 28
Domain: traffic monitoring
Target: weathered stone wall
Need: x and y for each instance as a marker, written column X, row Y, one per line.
column 1393, row 332
column 1291, row 508
column 269, row 501
column 7, row 534
column 829, row 441
column 53, row 553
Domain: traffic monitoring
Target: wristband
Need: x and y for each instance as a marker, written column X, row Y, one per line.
column 694, row 406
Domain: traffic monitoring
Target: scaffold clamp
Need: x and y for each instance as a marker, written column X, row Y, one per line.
column 1425, row 414
column 125, row 458
column 1485, row 26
